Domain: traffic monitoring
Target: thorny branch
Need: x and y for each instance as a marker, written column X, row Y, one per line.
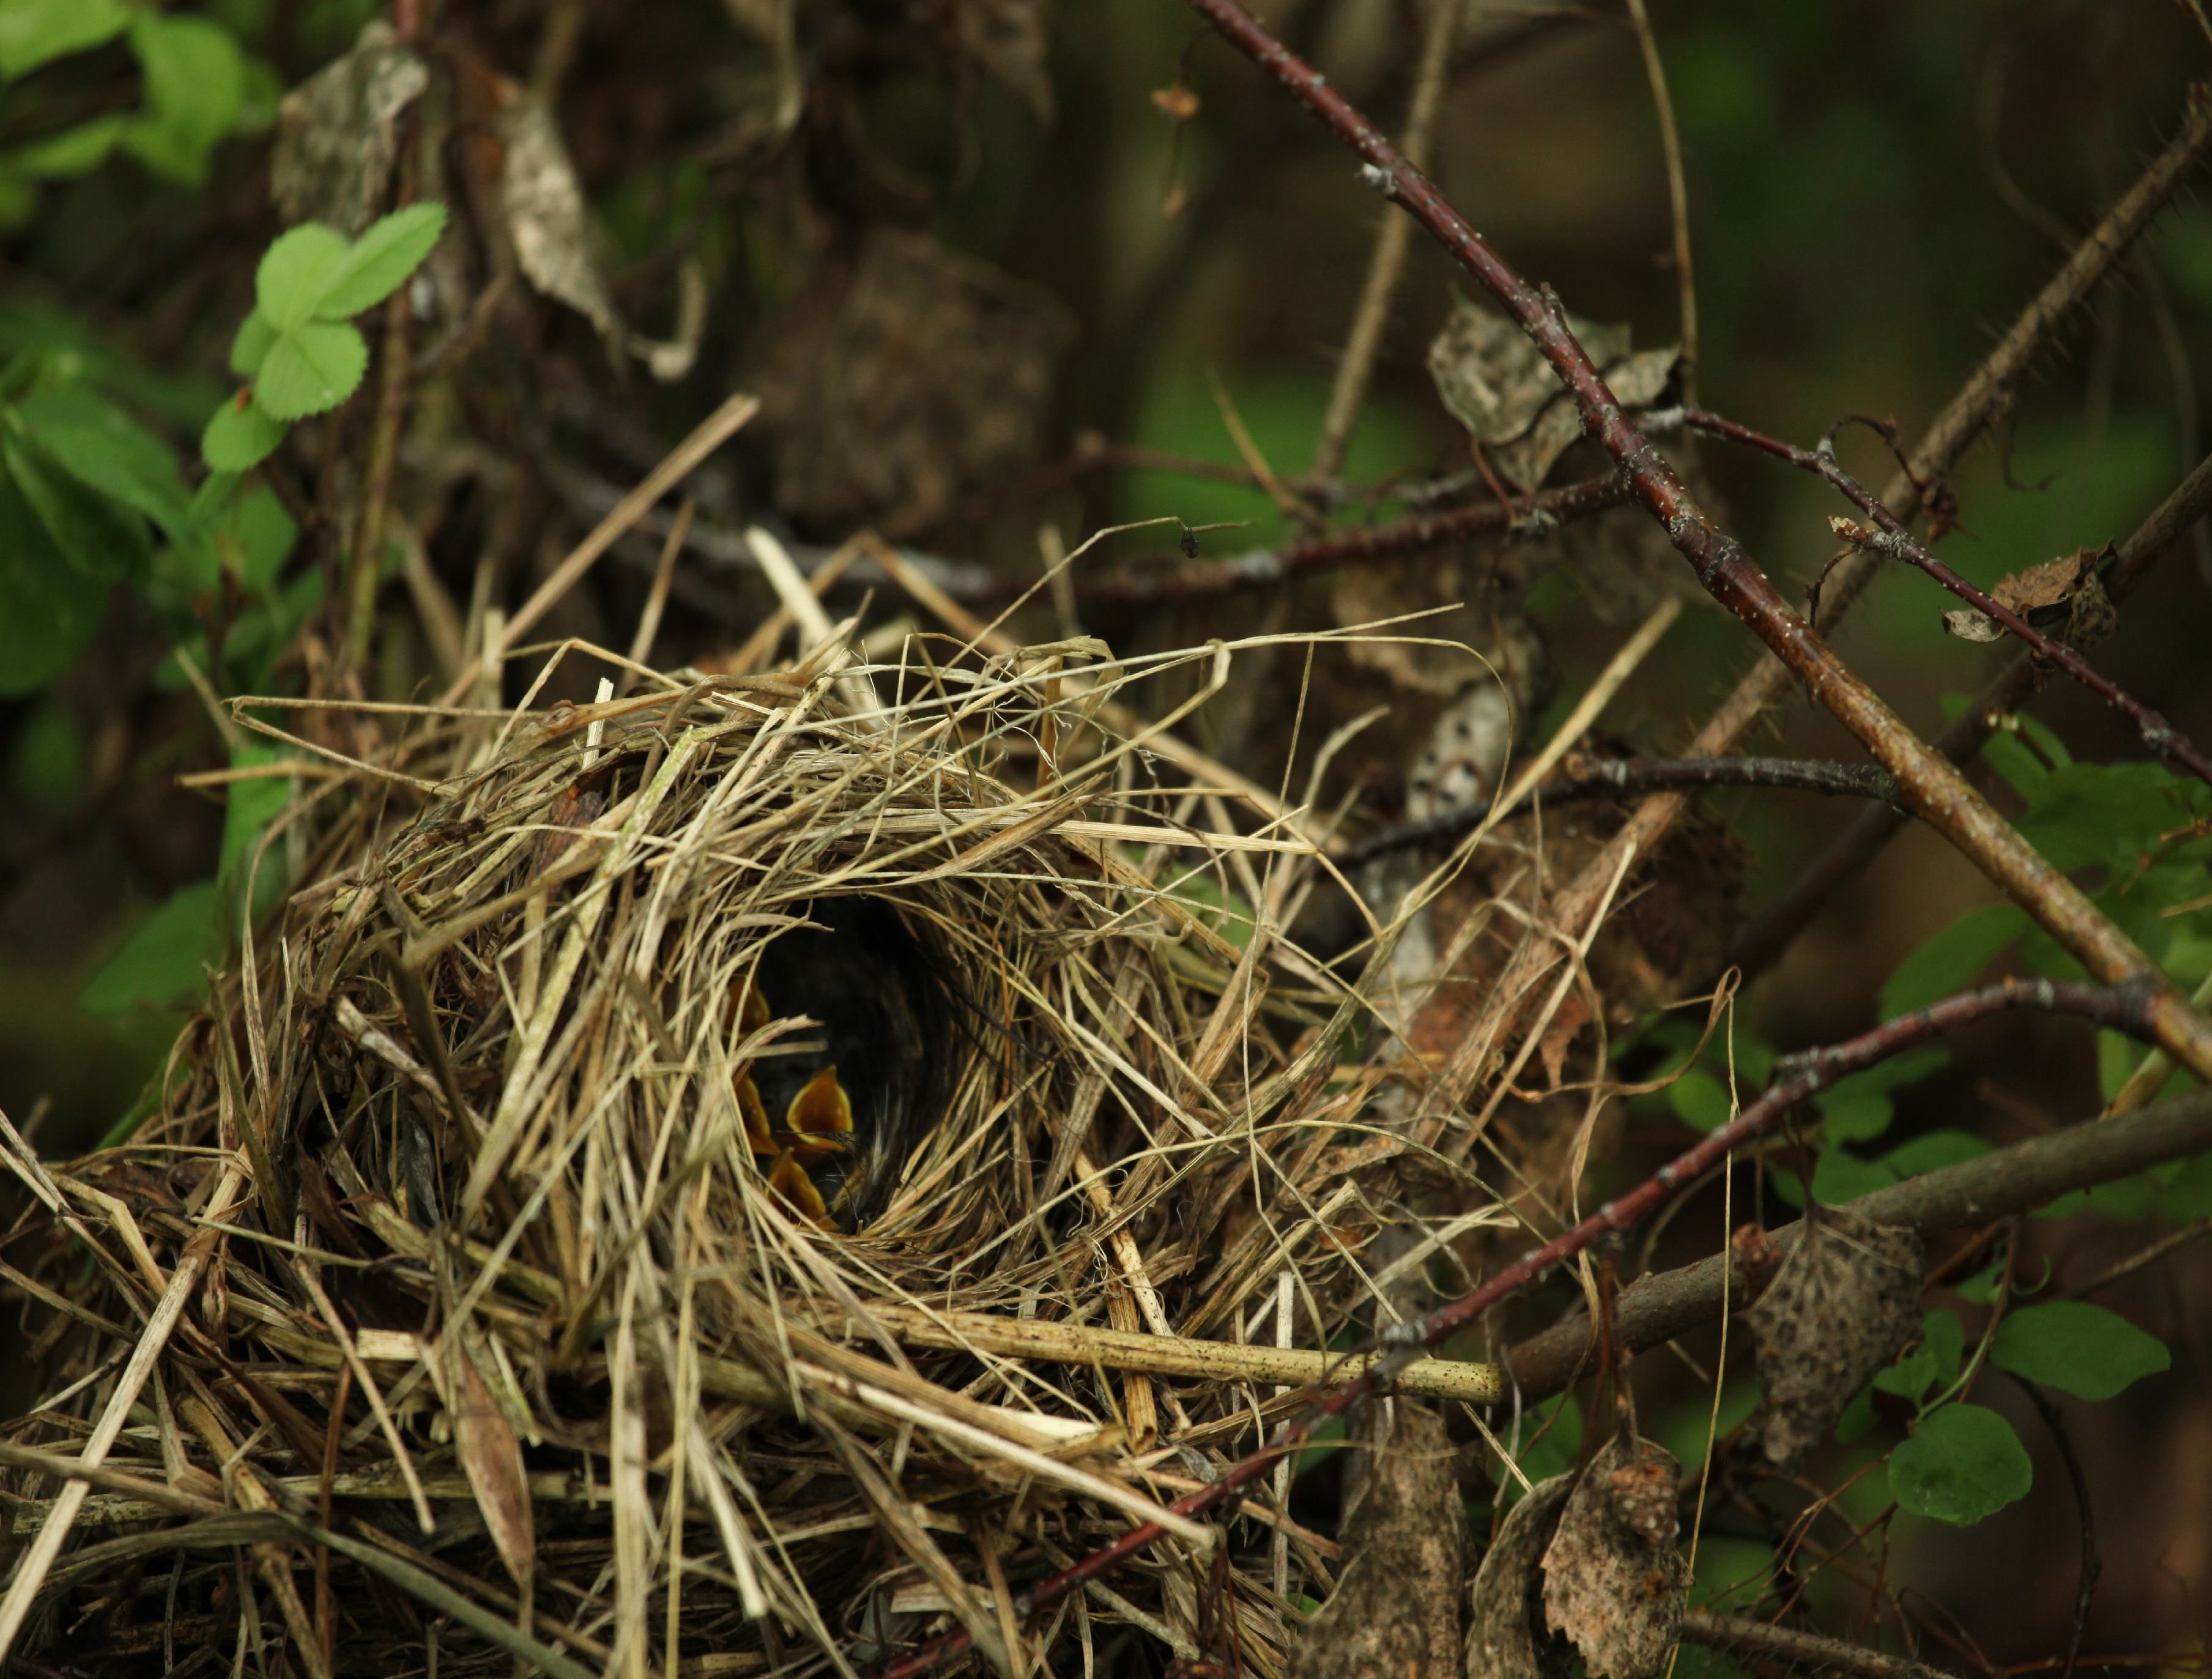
column 1928, row 783
column 1633, row 775
column 2121, row 1008
column 1771, row 934
column 1891, row 540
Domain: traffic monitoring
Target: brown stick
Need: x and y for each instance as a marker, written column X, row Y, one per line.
column 1773, row 932
column 1930, row 785
column 1798, row 1649
column 1659, row 1307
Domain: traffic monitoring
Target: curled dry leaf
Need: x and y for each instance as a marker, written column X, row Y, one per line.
column 1498, row 385
column 491, row 1458
column 337, row 133
column 1614, row 1579
column 545, row 216
column 1843, row 1304
column 2063, row 597
column 1504, row 1639
column 767, row 94
column 924, row 378
column 1395, row 1609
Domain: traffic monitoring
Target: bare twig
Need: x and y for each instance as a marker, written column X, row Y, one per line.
column 1387, row 264
column 2091, row 1564
column 1798, row 1649
column 1799, row 1077
column 2183, row 510
column 1633, row 775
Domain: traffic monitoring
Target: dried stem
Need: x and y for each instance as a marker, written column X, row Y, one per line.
column 1387, row 265
column 2120, row 1008
column 2183, row 510
column 1928, row 783
column 1678, row 191
column 1633, row 775
column 2091, row 1564
column 1798, row 1649
column 1892, row 541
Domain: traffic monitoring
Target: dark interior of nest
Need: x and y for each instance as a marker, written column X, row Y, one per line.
column 669, row 1065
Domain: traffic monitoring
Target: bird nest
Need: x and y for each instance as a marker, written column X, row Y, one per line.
column 733, row 1179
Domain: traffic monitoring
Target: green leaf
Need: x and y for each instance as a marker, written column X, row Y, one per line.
column 37, row 31
column 1933, row 1150
column 2184, row 1191
column 294, row 272
column 1963, row 1463
column 1854, row 1115
column 2107, row 813
column 2077, row 1348
column 162, row 963
column 49, row 609
column 90, row 532
column 73, row 152
column 2017, row 765
column 251, row 806
column 1949, row 961
column 1934, row 1361
column 1839, row 1178
column 310, row 370
column 381, row 259
column 1700, row 1101
column 194, row 85
column 1859, row 1418
column 47, row 769
column 105, row 449
column 255, row 537
column 251, row 347
column 242, row 435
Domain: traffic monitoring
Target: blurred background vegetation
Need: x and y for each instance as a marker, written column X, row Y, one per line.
column 1875, row 188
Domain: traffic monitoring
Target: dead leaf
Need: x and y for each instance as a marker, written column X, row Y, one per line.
column 769, row 94
column 545, row 216
column 1008, row 39
column 337, row 133
column 1614, row 1580
column 1497, row 384
column 1844, row 1302
column 1395, row 1609
column 2063, row 597
column 491, row 1458
column 1504, row 1639
column 923, row 378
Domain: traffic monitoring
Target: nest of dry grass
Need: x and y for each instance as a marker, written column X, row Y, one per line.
column 443, row 1314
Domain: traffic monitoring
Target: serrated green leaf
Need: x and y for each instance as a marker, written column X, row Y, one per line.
column 240, row 436
column 107, row 451
column 1949, row 961
column 37, row 31
column 51, row 608
column 2017, row 765
column 2076, row 1347
column 195, row 84
column 105, row 542
column 2107, row 813
column 251, row 347
column 310, row 370
column 387, row 252
column 295, row 270
column 162, row 963
column 1962, row 1463
column 1932, row 1150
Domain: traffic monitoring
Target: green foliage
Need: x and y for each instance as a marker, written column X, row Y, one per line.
column 1952, row 959
column 1962, row 1463
column 200, row 87
column 298, row 347
column 161, row 964
column 1933, row 1362
column 2076, row 1347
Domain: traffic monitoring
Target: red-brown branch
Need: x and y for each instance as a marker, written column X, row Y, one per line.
column 1930, row 785
column 2120, row 1008
column 1893, row 541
